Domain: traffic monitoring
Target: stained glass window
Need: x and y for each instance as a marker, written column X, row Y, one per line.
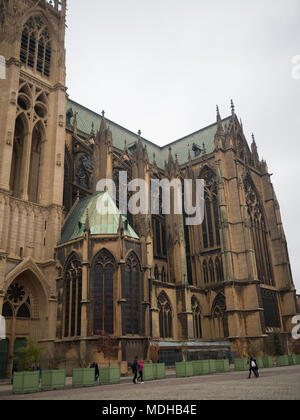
column 103, row 297
column 72, row 297
column 132, row 294
column 165, row 316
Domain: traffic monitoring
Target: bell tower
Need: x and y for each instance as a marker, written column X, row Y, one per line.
column 32, row 146
column 32, row 101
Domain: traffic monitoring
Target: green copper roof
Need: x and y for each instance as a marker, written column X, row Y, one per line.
column 86, row 118
column 103, row 215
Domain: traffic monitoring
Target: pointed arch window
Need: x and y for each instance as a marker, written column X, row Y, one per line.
column 36, row 46
column 131, row 291
column 17, row 302
column 259, row 233
column 17, row 173
column 7, row 310
column 23, row 312
column 205, row 272
column 72, row 297
column 103, row 296
column 219, row 270
column 210, row 225
column 196, row 318
column 211, row 271
column 219, row 317
column 35, row 163
column 165, row 316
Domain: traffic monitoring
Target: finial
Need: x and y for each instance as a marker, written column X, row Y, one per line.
column 93, row 130
column 103, row 114
column 154, row 159
column 232, row 107
column 139, row 133
column 87, row 222
column 219, row 121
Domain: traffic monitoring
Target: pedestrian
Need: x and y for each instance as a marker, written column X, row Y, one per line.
column 14, row 369
column 253, row 367
column 135, row 367
column 141, row 368
column 97, row 372
column 39, row 368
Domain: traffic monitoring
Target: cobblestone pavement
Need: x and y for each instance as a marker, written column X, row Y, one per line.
column 273, row 384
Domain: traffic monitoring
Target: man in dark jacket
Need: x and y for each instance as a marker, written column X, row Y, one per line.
column 253, row 367
column 135, row 369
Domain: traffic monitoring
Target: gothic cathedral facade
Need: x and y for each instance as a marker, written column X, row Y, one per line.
column 68, row 273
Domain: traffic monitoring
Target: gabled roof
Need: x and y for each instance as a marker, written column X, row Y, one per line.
column 86, row 118
column 103, row 219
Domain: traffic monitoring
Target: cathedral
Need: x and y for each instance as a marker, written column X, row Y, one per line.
column 69, row 274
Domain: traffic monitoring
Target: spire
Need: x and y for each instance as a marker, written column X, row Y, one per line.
column 139, row 148
column 103, row 125
column 254, row 151
column 125, row 147
column 154, row 159
column 92, row 137
column 232, row 108
column 220, row 134
column 170, row 165
column 218, row 115
column 220, row 129
column 93, row 131
column 170, row 160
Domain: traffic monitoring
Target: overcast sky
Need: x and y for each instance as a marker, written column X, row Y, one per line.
column 162, row 66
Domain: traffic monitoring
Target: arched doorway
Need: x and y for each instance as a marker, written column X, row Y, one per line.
column 25, row 309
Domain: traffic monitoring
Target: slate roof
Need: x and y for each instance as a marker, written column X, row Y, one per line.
column 181, row 147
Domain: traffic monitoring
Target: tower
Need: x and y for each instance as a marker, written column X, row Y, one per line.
column 32, row 146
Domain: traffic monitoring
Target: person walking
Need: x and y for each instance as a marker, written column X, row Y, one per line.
column 97, row 372
column 141, row 368
column 39, row 368
column 14, row 369
column 253, row 367
column 135, row 368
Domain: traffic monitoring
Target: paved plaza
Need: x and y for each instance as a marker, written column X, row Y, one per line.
column 273, row 384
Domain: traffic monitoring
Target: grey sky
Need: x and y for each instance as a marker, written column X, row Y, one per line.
column 162, row 66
